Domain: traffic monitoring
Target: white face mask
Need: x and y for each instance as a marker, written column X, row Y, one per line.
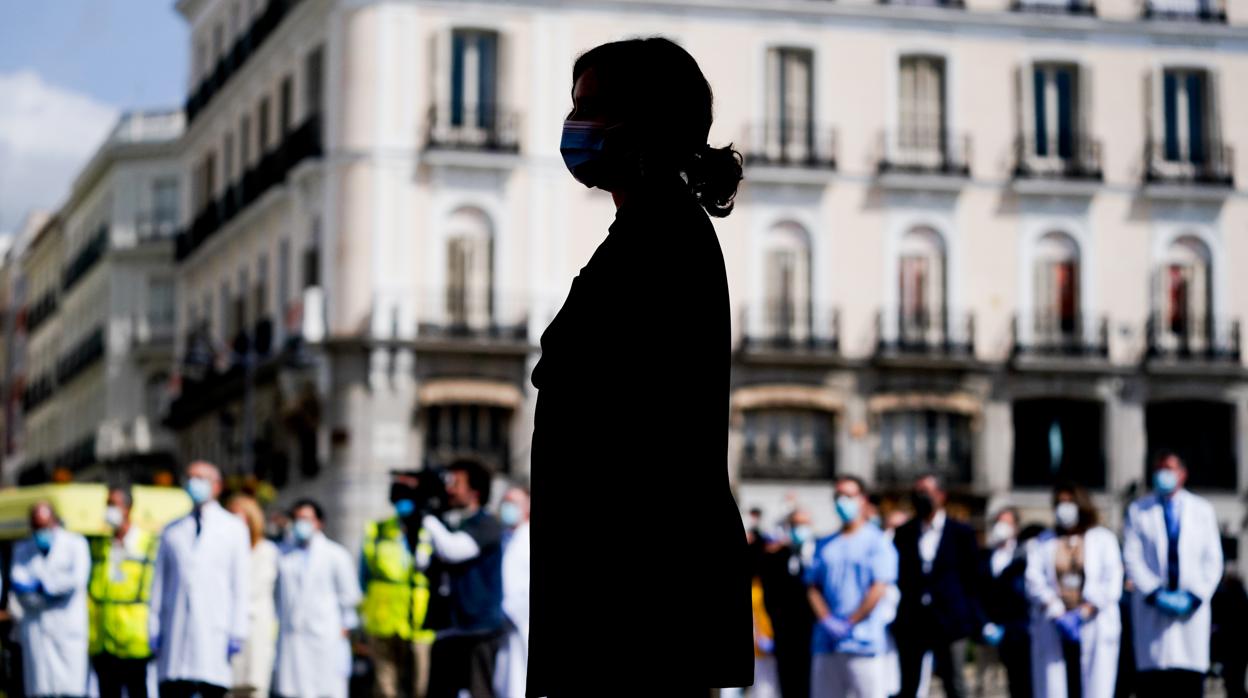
column 114, row 517
column 1000, row 533
column 1067, row 515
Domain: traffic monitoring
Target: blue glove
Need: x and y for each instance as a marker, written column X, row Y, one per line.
column 993, row 634
column 1068, row 625
column 838, row 628
column 766, row 645
column 1176, row 603
column 34, row 587
column 235, row 646
column 153, row 644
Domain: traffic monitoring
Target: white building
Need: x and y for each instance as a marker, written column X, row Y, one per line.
column 99, row 317
column 999, row 240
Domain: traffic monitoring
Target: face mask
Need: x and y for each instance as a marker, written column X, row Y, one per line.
column 1067, row 515
column 509, row 513
column 801, row 534
column 1165, row 481
column 199, row 489
column 43, row 539
column 584, row 150
column 114, row 517
column 847, row 508
column 303, row 530
column 404, row 508
column 923, row 505
column 1000, row 533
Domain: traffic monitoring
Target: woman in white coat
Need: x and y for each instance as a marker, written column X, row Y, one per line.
column 510, row 670
column 1074, row 582
column 318, row 589
column 49, row 582
column 253, row 666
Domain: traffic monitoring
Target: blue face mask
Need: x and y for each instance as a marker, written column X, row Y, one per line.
column 509, row 513
column 404, row 508
column 583, row 147
column 199, row 489
column 43, row 539
column 847, row 508
column 302, row 530
column 801, row 534
column 1165, row 481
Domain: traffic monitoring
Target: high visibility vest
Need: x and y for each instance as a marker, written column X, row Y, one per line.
column 396, row 592
column 119, row 597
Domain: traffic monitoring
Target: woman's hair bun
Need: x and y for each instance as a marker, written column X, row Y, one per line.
column 714, row 176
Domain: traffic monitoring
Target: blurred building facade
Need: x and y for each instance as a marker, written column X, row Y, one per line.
column 996, row 239
column 90, row 313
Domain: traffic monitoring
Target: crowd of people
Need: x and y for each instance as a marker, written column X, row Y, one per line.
column 883, row 607
column 437, row 600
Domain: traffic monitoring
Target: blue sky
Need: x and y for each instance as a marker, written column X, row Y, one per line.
column 68, row 68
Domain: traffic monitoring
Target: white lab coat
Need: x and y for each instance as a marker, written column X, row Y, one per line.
column 1163, row 641
column 199, row 596
column 511, row 669
column 1100, row 638
column 53, row 622
column 253, row 666
column 318, row 588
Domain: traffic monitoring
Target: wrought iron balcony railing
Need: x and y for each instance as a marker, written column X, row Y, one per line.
column 482, row 127
column 784, row 326
column 1211, row 165
column 795, row 143
column 1074, row 158
column 1055, row 335
column 1193, row 339
column 925, row 151
column 927, row 334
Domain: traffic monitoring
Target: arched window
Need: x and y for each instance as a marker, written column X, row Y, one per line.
column 469, row 270
column 786, row 284
column 921, row 279
column 1184, row 300
column 1056, row 269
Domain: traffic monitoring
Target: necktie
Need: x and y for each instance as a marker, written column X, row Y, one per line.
column 1172, row 543
column 198, row 523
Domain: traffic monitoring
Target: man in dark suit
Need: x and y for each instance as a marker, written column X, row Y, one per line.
column 938, row 564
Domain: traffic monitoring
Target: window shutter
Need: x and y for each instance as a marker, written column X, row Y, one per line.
column 1084, row 141
column 1213, row 120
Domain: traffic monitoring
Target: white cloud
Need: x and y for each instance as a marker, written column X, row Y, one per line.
column 47, row 134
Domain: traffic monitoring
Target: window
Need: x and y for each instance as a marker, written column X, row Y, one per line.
column 474, row 78
column 161, row 305
column 244, row 142
column 1188, row 113
column 312, row 257
column 283, row 279
column 165, row 204
column 218, row 42
column 786, row 283
column 790, row 103
column 1057, row 440
column 225, row 313
column 921, row 279
column 1183, row 298
column 1203, row 433
column 262, row 124
column 1057, row 288
column 1055, row 100
column 917, row 441
column 458, row 430
column 227, row 158
column 314, row 79
column 260, row 294
column 286, row 105
column 788, row 444
column 469, row 273
column 922, row 116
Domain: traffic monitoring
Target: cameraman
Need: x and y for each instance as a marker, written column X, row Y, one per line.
column 470, row 558
column 394, row 560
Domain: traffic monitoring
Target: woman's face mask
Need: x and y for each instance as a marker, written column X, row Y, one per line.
column 588, row 152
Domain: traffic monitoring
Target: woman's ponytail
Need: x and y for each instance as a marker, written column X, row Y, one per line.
column 714, row 176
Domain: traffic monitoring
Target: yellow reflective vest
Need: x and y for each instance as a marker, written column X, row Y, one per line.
column 119, row 596
column 396, row 589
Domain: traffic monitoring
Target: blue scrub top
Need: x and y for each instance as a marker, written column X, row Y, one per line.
column 844, row 569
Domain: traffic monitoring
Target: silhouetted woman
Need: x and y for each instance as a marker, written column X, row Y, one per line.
column 640, row 574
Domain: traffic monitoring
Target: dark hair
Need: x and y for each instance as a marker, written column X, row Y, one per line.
column 126, row 498
column 934, row 477
column 1163, row 454
column 1012, row 511
column 479, row 478
column 657, row 88
column 306, row 502
column 1088, row 514
column 862, row 486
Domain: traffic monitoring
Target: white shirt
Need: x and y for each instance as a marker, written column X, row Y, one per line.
column 929, row 539
column 1002, row 556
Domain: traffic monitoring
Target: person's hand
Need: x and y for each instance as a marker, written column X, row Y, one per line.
column 153, row 644
column 31, row 587
column 1069, row 624
column 234, row 647
column 1176, row 603
column 766, row 645
column 838, row 628
column 993, row 634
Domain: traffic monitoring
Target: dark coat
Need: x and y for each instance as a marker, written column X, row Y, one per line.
column 640, row 568
column 953, row 611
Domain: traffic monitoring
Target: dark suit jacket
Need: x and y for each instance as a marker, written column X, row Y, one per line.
column 1005, row 596
column 640, row 567
column 954, row 611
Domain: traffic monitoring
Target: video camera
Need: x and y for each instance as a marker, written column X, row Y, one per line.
column 428, row 495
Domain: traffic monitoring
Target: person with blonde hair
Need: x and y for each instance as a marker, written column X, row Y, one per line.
column 253, row 666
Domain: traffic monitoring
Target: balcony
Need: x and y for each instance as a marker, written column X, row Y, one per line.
column 1055, row 7
column 300, row 144
column 457, row 319
column 953, row 4
column 92, row 252
column 155, row 227
column 926, row 336
column 1210, row 167
column 86, row 353
column 1195, row 340
column 233, row 61
column 1078, row 159
column 40, row 311
column 476, row 128
column 1186, row 10
column 787, row 331
column 921, row 157
column 790, row 144
column 37, row 392
column 772, row 463
column 1053, row 336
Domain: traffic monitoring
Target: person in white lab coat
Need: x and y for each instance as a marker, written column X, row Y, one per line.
column 1074, row 582
column 49, row 582
column 317, row 592
column 1172, row 548
column 253, row 666
column 510, row 673
column 199, row 593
